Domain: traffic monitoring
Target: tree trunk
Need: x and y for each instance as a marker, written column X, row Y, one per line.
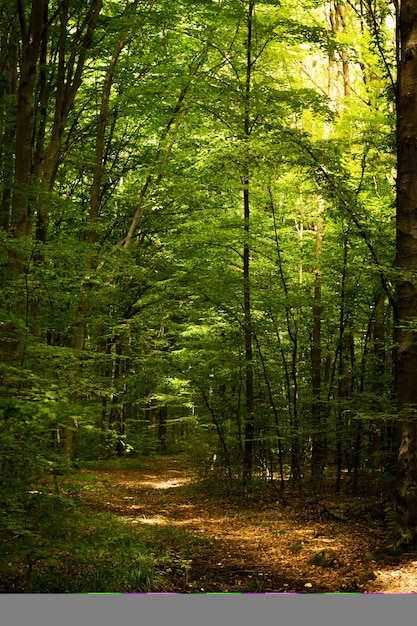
column 31, row 34
column 162, row 429
column 8, row 87
column 345, row 361
column 319, row 440
column 406, row 262
column 249, row 425
column 294, row 398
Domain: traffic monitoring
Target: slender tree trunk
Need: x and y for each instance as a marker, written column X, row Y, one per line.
column 276, row 418
column 319, row 438
column 72, row 54
column 295, row 425
column 249, row 425
column 290, row 370
column 8, row 88
column 344, row 372
column 71, row 425
column 220, row 433
column 379, row 369
column 103, row 428
column 357, row 440
column 102, row 124
column 406, row 262
column 162, row 429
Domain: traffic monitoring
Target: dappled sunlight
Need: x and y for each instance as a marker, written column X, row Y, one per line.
column 240, row 542
column 401, row 579
column 153, row 521
column 157, row 483
column 199, row 521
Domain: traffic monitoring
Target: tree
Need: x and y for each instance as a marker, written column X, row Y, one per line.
column 199, row 211
column 406, row 264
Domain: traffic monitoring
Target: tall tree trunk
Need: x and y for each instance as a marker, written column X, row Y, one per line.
column 18, row 217
column 378, row 386
column 406, row 262
column 70, row 70
column 249, row 425
column 8, row 87
column 345, row 360
column 31, row 34
column 290, row 365
column 295, row 374
column 319, row 438
column 162, row 429
column 71, row 425
column 102, row 123
column 276, row 415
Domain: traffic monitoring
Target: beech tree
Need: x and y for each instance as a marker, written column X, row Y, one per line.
column 406, row 264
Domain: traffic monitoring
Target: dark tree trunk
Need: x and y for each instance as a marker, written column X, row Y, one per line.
column 162, row 429
column 31, row 34
column 249, row 425
column 345, row 362
column 406, row 262
column 319, row 438
column 9, row 44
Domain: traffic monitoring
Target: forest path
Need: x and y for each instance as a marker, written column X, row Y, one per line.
column 222, row 544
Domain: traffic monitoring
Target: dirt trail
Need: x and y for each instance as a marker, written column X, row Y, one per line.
column 263, row 547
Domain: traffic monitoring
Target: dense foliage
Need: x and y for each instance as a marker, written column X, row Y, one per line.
column 197, row 237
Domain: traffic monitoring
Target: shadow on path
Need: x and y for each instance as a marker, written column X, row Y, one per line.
column 244, row 547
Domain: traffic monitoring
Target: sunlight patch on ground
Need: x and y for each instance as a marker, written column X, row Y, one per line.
column 398, row 580
column 200, row 520
column 164, row 484
column 152, row 521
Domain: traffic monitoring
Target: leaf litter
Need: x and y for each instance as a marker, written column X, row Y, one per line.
column 252, row 544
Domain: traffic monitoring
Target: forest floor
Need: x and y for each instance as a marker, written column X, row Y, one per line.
column 224, row 542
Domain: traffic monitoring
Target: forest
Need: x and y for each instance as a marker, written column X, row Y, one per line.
column 208, row 299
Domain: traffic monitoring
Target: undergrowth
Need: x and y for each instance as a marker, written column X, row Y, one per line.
column 51, row 542
column 54, row 545
column 122, row 463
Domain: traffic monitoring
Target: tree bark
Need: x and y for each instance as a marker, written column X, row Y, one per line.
column 249, row 424
column 345, row 363
column 31, row 35
column 319, row 439
column 406, row 263
column 9, row 39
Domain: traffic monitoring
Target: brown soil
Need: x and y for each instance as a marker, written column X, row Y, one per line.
column 256, row 544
